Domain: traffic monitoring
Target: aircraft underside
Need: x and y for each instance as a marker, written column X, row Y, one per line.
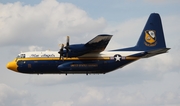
column 69, row 67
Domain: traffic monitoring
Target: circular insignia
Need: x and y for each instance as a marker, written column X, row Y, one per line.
column 117, row 57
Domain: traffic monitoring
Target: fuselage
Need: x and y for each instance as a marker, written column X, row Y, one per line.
column 48, row 62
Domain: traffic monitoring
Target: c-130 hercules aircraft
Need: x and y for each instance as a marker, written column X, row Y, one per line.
column 90, row 58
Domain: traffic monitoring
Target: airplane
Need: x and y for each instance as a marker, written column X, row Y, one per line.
column 90, row 58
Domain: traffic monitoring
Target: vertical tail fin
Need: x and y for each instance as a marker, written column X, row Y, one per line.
column 152, row 37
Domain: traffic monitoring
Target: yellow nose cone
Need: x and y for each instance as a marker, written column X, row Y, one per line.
column 12, row 66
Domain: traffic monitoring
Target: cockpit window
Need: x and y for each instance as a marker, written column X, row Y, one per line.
column 21, row 56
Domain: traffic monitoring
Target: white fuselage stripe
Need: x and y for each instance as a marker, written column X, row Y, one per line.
column 43, row 54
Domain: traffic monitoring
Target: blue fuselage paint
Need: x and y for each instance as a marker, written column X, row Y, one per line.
column 51, row 66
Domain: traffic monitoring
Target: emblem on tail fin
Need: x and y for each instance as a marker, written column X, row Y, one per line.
column 150, row 38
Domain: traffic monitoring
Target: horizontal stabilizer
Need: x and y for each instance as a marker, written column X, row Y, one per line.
column 156, row 52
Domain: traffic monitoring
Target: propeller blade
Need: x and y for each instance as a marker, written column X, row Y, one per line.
column 61, row 51
column 67, row 43
column 67, row 46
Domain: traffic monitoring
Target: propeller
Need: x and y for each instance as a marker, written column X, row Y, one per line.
column 61, row 51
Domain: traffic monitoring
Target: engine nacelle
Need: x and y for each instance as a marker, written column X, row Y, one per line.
column 78, row 66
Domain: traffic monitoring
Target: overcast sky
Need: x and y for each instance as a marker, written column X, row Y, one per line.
column 28, row 25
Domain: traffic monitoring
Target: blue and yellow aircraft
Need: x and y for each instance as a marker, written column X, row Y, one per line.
column 90, row 58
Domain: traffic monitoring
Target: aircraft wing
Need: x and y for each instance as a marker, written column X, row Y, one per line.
column 99, row 43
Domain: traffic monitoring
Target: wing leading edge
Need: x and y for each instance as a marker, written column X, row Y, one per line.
column 99, row 43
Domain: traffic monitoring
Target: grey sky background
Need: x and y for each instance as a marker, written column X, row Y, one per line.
column 40, row 25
